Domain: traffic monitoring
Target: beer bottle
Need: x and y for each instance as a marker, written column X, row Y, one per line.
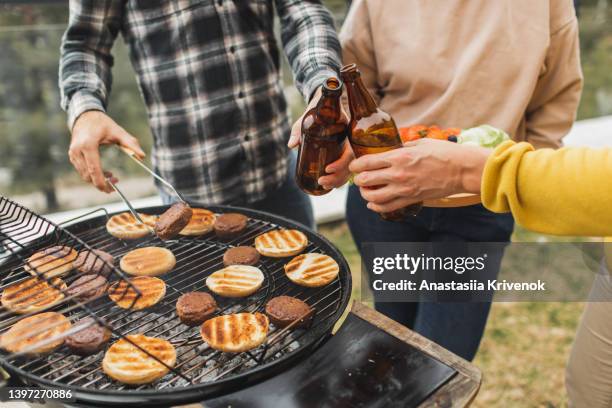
column 324, row 130
column 371, row 129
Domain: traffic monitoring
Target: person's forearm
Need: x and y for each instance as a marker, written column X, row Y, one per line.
column 86, row 61
column 310, row 42
column 563, row 192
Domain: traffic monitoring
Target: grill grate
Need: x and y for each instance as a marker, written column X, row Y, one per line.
column 199, row 371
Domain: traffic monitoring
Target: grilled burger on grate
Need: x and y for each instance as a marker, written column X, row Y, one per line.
column 126, row 363
column 88, row 287
column 93, row 262
column 201, row 222
column 230, row 225
column 312, row 270
column 148, row 261
column 152, row 291
column 281, row 243
column 33, row 295
column 284, row 310
column 88, row 340
column 51, row 262
column 235, row 333
column 171, row 222
column 32, row 331
column 235, row 281
column 193, row 308
column 241, row 255
column 125, row 226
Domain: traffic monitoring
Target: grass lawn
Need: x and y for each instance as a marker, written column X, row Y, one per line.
column 525, row 346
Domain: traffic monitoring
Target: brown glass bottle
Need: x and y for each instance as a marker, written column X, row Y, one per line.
column 324, row 131
column 371, row 129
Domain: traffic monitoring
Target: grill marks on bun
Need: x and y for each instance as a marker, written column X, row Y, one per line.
column 33, row 295
column 51, row 262
column 152, row 291
column 128, row 364
column 125, row 226
column 201, row 222
column 236, row 281
column 148, row 261
column 312, row 270
column 281, row 243
column 235, row 333
column 34, row 330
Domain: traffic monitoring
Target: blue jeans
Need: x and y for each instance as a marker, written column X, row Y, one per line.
column 286, row 201
column 457, row 327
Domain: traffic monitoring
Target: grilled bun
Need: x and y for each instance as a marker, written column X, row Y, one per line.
column 236, row 281
column 281, row 243
column 51, row 262
column 235, row 333
column 148, row 261
column 152, row 291
column 33, row 295
column 125, row 226
column 126, row 363
column 201, row 222
column 312, row 270
column 33, row 330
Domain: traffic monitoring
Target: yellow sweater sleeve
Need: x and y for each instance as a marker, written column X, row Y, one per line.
column 563, row 192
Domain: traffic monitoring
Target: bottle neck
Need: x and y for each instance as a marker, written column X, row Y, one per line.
column 328, row 106
column 361, row 103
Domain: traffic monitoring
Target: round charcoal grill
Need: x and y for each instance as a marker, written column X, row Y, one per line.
column 200, row 372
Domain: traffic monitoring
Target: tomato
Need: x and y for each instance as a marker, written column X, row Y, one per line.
column 412, row 133
column 434, row 132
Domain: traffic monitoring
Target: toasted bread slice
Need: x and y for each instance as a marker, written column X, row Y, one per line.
column 125, row 226
column 152, row 291
column 128, row 364
column 235, row 333
column 312, row 270
column 236, row 281
column 51, row 262
column 281, row 243
column 201, row 222
column 33, row 295
column 148, row 261
column 34, row 330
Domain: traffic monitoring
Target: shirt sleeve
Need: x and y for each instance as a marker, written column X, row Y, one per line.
column 310, row 43
column 562, row 192
column 358, row 45
column 85, row 64
column 554, row 104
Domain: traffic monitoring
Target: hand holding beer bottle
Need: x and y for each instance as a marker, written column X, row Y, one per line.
column 324, row 131
column 371, row 129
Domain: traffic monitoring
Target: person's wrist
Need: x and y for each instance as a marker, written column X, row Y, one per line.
column 471, row 172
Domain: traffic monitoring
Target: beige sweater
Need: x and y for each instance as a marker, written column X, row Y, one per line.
column 513, row 64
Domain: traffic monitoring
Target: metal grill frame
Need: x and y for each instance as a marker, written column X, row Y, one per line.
column 263, row 369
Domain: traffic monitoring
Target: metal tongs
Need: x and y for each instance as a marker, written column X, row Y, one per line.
column 134, row 157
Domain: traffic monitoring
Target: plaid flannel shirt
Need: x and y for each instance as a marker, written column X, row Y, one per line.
column 208, row 71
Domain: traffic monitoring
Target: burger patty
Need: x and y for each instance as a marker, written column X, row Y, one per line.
column 241, row 255
column 90, row 339
column 170, row 223
column 283, row 310
column 194, row 308
column 93, row 262
column 88, row 287
column 230, row 225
